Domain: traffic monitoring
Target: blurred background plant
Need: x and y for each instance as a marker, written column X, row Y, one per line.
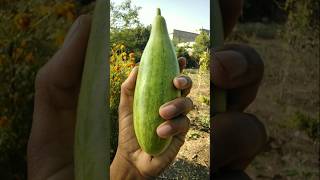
column 121, row 63
column 30, row 33
column 286, row 35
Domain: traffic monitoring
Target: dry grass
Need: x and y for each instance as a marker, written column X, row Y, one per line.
column 290, row 85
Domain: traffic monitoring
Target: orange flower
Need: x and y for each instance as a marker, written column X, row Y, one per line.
column 17, row 53
column 59, row 38
column 70, row 16
column 29, row 57
column 4, row 121
column 66, row 9
column 22, row 21
column 130, row 64
column 24, row 43
column 131, row 55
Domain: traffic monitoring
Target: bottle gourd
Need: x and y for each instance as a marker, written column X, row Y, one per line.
column 154, row 87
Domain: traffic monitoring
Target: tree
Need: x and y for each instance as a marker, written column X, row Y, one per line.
column 135, row 39
column 124, row 15
column 202, row 43
column 126, row 28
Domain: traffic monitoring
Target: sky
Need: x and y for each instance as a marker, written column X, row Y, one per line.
column 186, row 15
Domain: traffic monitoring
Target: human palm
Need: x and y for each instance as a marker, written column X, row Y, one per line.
column 128, row 147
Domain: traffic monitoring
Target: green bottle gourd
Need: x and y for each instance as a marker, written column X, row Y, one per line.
column 91, row 156
column 154, row 87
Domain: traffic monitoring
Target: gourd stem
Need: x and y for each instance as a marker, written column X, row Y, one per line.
column 158, row 12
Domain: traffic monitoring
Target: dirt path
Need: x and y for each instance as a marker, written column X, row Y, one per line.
column 290, row 85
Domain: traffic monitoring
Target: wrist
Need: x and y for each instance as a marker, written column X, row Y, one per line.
column 122, row 169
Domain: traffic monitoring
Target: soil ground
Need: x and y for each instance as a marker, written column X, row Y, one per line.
column 288, row 96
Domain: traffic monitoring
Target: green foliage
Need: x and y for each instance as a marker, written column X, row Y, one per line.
column 121, row 64
column 205, row 121
column 204, row 99
column 135, row 39
column 124, row 15
column 308, row 124
column 193, row 135
column 31, row 32
column 127, row 29
column 16, row 102
column 202, row 43
column 303, row 24
column 204, row 62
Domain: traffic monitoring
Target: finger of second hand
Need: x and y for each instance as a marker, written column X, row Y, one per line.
column 173, row 127
column 182, row 63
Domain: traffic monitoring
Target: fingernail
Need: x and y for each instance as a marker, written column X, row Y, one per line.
column 182, row 81
column 169, row 110
column 233, row 62
column 74, row 28
column 164, row 130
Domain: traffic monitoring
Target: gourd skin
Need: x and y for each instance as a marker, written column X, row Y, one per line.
column 90, row 146
column 154, row 87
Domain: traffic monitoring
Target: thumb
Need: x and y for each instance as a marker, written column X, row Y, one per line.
column 127, row 93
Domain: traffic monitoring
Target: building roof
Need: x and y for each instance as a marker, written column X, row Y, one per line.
column 184, row 36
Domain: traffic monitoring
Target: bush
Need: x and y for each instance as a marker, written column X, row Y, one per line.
column 31, row 32
column 204, row 62
column 135, row 39
column 308, row 124
column 202, row 43
column 121, row 64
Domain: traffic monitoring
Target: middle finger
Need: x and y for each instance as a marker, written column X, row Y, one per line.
column 176, row 107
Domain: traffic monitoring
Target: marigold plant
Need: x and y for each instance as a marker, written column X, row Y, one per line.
column 121, row 63
column 30, row 33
